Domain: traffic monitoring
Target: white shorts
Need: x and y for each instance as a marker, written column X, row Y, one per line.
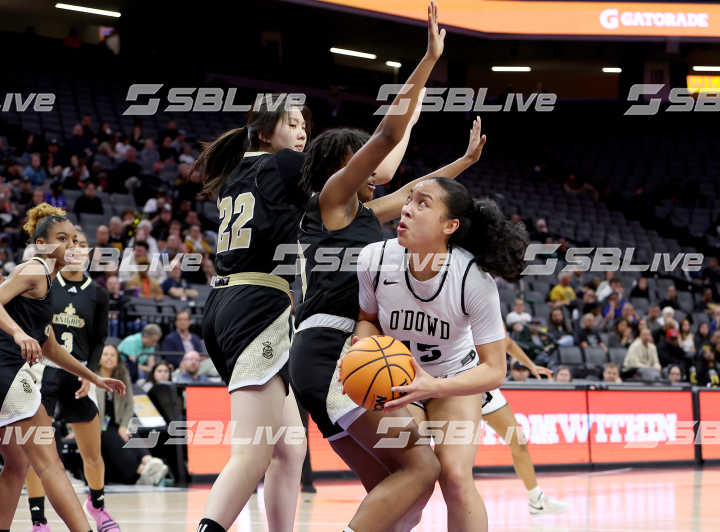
column 22, row 399
column 496, row 402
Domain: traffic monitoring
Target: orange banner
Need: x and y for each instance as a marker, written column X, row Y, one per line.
column 607, row 19
column 710, row 424
column 562, row 427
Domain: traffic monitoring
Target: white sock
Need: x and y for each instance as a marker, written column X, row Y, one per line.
column 348, row 529
column 535, row 493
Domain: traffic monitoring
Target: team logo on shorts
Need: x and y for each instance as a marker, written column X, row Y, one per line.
column 47, row 330
column 267, row 350
column 26, row 386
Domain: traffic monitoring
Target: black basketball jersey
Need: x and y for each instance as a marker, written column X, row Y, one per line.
column 329, row 260
column 33, row 316
column 80, row 314
column 260, row 206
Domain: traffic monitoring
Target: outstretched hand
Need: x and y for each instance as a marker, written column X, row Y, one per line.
column 436, row 38
column 476, row 142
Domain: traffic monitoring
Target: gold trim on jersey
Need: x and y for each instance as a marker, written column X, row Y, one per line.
column 252, row 278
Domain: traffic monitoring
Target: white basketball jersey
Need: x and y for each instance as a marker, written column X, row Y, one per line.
column 442, row 319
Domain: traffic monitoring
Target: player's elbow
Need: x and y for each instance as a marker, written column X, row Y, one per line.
column 390, row 135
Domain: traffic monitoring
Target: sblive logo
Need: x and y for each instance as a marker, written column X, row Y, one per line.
column 681, row 100
column 462, row 99
column 41, row 102
column 206, row 100
column 612, row 19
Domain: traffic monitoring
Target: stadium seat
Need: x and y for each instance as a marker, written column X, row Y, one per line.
column 595, row 356
column 570, row 356
column 617, row 355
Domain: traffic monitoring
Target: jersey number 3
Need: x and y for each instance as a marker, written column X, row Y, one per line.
column 237, row 237
column 67, row 339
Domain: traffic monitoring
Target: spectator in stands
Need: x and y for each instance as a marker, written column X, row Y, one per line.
column 142, row 234
column 143, row 283
column 55, row 196
column 671, row 298
column 166, row 150
column 702, row 336
column 181, row 340
column 562, row 293
column 541, row 231
column 589, row 302
column 102, row 236
column 686, row 340
column 116, row 308
column 177, row 287
column 105, row 156
column 558, row 328
column 75, row 175
column 707, row 368
column 170, row 131
column 174, row 246
column 519, row 373
column 56, row 159
column 715, row 321
column 117, row 238
column 711, row 273
column 88, row 131
column 123, row 465
column 139, row 348
column 186, row 157
column 563, row 374
column 628, row 314
column 123, row 147
column 518, row 315
column 605, row 288
column 640, row 289
column 22, row 195
column 161, row 227
column 642, row 358
column 613, row 307
column 654, row 318
column 588, row 336
column 196, row 242
column 137, row 137
column 189, row 369
column 89, row 203
column 611, row 373
column 675, row 374
column 706, row 304
column 670, row 352
column 159, row 374
column 208, row 269
column 621, row 335
column 78, row 144
column 35, row 172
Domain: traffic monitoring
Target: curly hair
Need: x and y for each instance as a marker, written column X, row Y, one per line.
column 41, row 218
column 326, row 155
column 497, row 244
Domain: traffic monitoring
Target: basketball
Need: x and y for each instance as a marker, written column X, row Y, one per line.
column 372, row 367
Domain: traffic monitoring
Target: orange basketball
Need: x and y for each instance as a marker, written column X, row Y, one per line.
column 372, row 367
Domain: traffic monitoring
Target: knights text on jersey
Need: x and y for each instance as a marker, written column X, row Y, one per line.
column 442, row 319
column 80, row 313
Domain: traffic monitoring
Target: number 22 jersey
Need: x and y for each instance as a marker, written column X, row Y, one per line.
column 442, row 319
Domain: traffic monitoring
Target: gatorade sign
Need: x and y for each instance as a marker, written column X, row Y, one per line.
column 519, row 17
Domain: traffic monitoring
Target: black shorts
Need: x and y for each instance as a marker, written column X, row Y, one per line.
column 313, row 358
column 246, row 329
column 58, row 388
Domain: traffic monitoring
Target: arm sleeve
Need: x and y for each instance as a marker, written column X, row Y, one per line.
column 483, row 307
column 366, row 280
column 100, row 327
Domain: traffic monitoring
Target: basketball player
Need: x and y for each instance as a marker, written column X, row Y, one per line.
column 441, row 300
column 25, row 317
column 80, row 312
column 255, row 173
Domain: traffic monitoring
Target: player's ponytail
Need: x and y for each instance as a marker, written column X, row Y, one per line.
column 222, row 156
column 497, row 244
column 326, row 155
column 41, row 218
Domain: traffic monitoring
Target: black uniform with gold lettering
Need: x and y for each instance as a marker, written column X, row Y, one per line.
column 19, row 390
column 80, row 314
column 246, row 322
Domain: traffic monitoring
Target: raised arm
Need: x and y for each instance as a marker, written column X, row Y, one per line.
column 388, row 207
column 337, row 198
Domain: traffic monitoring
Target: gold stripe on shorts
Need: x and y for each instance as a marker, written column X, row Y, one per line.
column 251, row 278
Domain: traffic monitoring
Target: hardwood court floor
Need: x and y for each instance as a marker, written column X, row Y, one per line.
column 622, row 500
